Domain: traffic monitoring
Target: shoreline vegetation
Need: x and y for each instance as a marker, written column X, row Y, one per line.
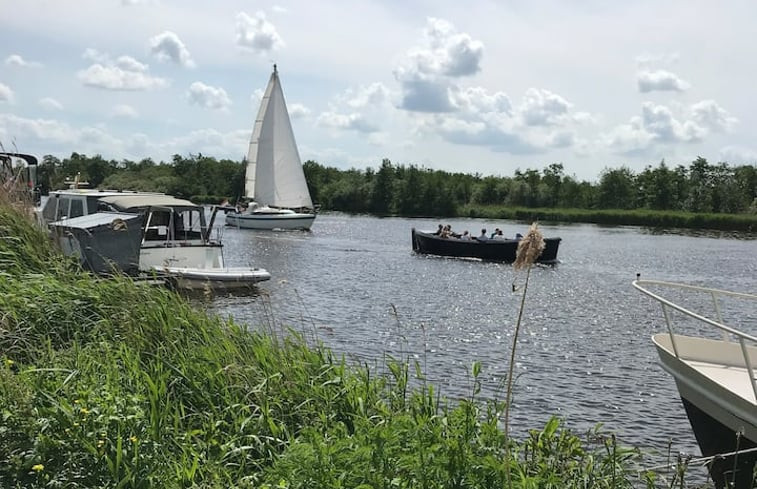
column 698, row 196
column 113, row 383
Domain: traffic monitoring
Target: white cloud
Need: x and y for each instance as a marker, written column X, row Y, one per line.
column 354, row 122
column 6, row 94
column 428, row 70
column 125, row 73
column 18, row 60
column 124, row 111
column 167, row 46
column 497, row 136
column 712, row 116
column 50, row 103
column 297, row 111
column 257, row 33
column 478, row 100
column 208, row 97
column 658, row 125
column 736, row 154
column 47, row 130
column 660, row 80
column 279, row 9
column 541, row 107
column 374, row 94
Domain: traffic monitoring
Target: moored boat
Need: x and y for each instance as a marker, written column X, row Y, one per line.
column 174, row 236
column 502, row 250
column 714, row 372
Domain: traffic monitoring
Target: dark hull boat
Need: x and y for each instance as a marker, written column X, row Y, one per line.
column 502, row 250
column 714, row 374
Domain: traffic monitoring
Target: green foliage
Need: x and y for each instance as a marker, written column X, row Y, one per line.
column 409, row 190
column 110, row 383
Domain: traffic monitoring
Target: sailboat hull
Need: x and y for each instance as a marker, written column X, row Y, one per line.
column 294, row 220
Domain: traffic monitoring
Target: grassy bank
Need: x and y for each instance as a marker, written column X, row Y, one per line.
column 116, row 384
column 638, row 217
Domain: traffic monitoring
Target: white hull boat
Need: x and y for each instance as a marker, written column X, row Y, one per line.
column 714, row 374
column 173, row 236
column 232, row 278
column 271, row 219
column 275, row 182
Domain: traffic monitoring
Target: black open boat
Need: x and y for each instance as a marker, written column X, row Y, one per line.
column 502, row 250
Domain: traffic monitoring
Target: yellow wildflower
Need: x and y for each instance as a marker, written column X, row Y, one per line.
column 9, row 362
column 133, row 439
column 100, row 443
column 84, row 411
column 38, row 468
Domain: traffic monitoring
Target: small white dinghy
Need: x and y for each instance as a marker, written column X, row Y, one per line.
column 231, row 278
column 714, row 373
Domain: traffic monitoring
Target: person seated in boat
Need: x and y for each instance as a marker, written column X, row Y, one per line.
column 483, row 236
column 498, row 234
column 446, row 231
column 518, row 236
column 451, row 233
column 465, row 236
column 438, row 232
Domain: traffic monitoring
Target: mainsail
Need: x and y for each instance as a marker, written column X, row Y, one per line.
column 274, row 175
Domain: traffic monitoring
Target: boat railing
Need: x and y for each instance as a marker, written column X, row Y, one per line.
column 729, row 334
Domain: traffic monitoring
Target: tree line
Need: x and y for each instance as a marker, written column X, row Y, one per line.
column 411, row 190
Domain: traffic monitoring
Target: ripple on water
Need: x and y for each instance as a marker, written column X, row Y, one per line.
column 584, row 351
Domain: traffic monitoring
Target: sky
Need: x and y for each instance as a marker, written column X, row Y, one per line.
column 486, row 87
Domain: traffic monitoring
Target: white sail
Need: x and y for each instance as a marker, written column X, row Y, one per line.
column 274, row 175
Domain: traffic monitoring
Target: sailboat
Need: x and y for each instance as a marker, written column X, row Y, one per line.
column 274, row 180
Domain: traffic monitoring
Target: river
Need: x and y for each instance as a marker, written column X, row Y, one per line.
column 584, row 352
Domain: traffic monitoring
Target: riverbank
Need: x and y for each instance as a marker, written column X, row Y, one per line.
column 107, row 383
column 618, row 217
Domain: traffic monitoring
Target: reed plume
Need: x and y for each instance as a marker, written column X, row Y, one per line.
column 529, row 249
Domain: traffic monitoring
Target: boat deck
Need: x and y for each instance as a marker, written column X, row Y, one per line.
column 735, row 379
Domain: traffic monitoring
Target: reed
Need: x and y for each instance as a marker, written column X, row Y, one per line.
column 109, row 383
column 618, row 217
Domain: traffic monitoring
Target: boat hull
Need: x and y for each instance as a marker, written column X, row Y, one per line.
column 703, row 372
column 502, row 250
column 232, row 278
column 294, row 220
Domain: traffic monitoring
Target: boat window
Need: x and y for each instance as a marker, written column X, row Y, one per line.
column 48, row 212
column 188, row 225
column 63, row 204
column 157, row 226
column 77, row 208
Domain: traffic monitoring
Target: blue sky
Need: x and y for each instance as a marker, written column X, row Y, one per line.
column 481, row 87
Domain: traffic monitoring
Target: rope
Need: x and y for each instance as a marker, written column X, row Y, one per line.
column 702, row 460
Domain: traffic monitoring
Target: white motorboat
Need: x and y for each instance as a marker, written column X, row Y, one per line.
column 174, row 240
column 274, row 179
column 714, row 373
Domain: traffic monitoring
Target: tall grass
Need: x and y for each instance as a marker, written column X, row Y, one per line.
column 109, row 383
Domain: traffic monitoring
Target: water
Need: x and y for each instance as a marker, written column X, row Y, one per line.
column 584, row 351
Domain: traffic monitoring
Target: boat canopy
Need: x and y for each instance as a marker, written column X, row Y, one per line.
column 94, row 220
column 127, row 202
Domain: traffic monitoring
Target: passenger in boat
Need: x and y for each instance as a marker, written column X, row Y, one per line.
column 495, row 233
column 518, row 236
column 483, row 236
column 465, row 236
column 451, row 232
column 498, row 234
column 439, row 230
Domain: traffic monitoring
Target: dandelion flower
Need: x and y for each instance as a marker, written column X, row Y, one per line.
column 38, row 468
column 529, row 248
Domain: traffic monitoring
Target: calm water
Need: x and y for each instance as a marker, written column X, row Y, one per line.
column 584, row 352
